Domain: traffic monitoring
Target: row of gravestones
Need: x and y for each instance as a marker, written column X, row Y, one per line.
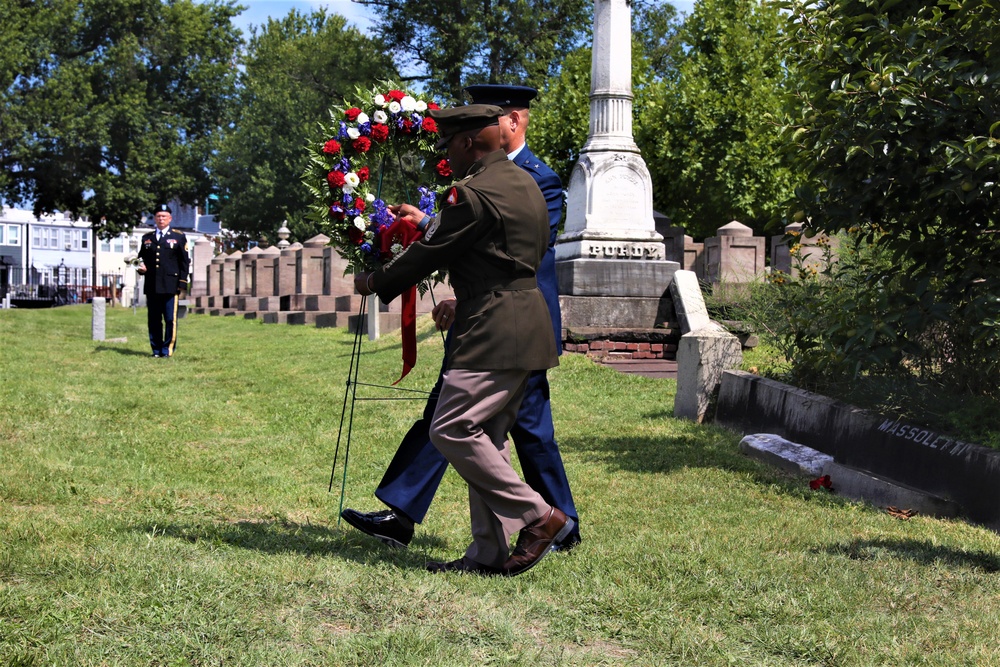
column 303, row 283
column 735, row 255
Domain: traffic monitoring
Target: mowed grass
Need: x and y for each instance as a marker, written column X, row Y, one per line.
column 176, row 512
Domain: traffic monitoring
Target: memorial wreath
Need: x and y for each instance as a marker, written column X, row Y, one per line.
column 377, row 132
column 380, row 139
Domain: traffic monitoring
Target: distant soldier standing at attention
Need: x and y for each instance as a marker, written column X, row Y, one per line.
column 164, row 262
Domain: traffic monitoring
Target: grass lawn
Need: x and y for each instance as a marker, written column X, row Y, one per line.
column 176, row 512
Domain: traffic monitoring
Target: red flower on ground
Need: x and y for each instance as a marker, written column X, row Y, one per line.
column 428, row 125
column 443, row 168
column 335, row 179
column 380, row 132
column 332, row 147
column 362, row 144
column 352, row 113
column 823, row 482
column 364, row 174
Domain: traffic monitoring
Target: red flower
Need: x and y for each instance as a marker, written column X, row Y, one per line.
column 355, row 234
column 336, row 212
column 352, row 113
column 428, row 125
column 359, row 204
column 380, row 132
column 362, row 144
column 432, row 105
column 335, row 179
column 821, row 482
column 332, row 147
column 395, row 95
column 364, row 174
column 443, row 168
column 408, row 126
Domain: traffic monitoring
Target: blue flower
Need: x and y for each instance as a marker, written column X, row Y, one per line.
column 427, row 200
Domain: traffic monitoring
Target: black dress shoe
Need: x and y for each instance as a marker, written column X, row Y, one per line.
column 463, row 564
column 566, row 544
column 384, row 525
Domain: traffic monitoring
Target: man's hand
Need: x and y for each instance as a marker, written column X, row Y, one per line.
column 141, row 269
column 444, row 314
column 407, row 212
column 361, row 283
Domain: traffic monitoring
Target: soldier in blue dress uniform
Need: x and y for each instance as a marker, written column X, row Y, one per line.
column 415, row 472
column 165, row 264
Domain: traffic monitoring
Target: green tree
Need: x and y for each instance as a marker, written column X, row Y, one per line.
column 294, row 70
column 708, row 123
column 894, row 130
column 448, row 45
column 111, row 105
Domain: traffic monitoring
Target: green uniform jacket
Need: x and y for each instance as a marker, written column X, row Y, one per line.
column 491, row 235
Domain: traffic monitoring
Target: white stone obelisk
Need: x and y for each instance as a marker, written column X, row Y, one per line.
column 610, row 246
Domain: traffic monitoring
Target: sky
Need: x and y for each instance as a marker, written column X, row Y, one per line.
column 258, row 11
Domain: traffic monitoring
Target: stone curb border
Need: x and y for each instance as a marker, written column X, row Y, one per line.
column 886, row 447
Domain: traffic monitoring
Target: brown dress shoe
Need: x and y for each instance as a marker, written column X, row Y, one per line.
column 534, row 541
column 463, row 564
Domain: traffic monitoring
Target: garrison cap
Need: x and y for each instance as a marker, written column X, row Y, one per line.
column 501, row 95
column 162, row 208
column 459, row 119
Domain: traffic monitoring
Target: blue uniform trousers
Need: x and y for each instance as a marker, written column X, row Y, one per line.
column 161, row 317
column 415, row 472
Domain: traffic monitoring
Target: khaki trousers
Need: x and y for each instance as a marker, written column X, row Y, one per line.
column 474, row 413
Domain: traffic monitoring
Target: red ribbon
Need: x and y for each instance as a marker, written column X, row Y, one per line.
column 404, row 232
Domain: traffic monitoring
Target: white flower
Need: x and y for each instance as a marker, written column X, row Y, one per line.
column 408, row 103
column 420, row 106
column 369, row 198
column 394, row 107
column 380, row 100
column 353, row 132
column 359, row 222
column 396, row 248
column 380, row 116
column 362, row 118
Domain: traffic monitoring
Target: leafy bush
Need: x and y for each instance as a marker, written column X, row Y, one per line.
column 841, row 330
column 893, row 129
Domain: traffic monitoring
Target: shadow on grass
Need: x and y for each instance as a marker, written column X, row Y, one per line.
column 121, row 350
column 692, row 446
column 276, row 536
column 659, row 455
column 919, row 551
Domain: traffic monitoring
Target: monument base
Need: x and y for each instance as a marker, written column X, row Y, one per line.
column 615, row 294
column 615, row 312
column 615, row 277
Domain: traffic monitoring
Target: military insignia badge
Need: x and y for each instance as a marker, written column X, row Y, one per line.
column 452, row 197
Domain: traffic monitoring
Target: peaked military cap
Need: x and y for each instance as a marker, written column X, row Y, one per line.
column 459, row 119
column 162, row 208
column 501, row 95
